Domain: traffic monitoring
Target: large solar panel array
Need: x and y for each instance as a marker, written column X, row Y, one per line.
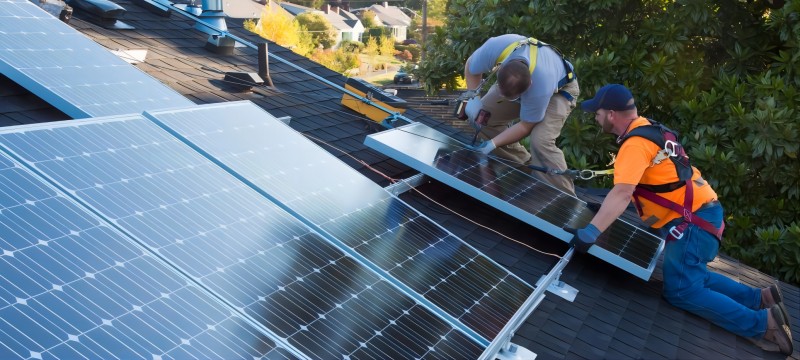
column 354, row 211
column 516, row 193
column 234, row 243
column 70, row 71
column 73, row 287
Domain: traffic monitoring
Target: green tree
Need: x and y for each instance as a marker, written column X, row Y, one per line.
column 368, row 19
column 726, row 74
column 337, row 60
column 314, row 4
column 415, row 29
column 321, row 30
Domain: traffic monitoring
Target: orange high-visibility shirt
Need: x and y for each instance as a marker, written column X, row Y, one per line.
column 633, row 166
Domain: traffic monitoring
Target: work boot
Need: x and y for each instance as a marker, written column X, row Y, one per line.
column 778, row 331
column 772, row 296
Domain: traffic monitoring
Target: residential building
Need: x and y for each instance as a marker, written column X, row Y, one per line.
column 391, row 17
column 347, row 26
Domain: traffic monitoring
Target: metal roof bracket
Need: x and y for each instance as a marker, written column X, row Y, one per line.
column 391, row 121
column 501, row 346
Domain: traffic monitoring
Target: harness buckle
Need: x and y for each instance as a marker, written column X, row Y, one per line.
column 671, row 148
column 676, row 233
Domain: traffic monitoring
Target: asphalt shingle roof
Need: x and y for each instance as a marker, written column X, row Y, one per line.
column 615, row 316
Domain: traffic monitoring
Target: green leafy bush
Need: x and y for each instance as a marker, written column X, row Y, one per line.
column 351, row 46
column 338, row 60
column 725, row 74
column 414, row 49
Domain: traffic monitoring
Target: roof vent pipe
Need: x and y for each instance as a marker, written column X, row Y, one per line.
column 263, row 63
column 212, row 5
column 194, row 8
column 213, row 16
column 212, row 22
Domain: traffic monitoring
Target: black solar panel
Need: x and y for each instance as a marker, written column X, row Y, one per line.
column 516, row 193
column 69, row 70
column 73, row 287
column 352, row 209
column 235, row 243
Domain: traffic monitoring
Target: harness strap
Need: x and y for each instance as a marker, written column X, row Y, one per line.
column 685, row 211
column 534, row 52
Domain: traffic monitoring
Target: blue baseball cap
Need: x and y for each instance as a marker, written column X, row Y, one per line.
column 610, row 97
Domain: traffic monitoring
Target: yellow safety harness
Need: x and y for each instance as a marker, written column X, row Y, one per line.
column 534, row 52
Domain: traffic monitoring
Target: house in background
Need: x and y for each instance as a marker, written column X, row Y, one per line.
column 348, row 27
column 391, row 17
column 243, row 9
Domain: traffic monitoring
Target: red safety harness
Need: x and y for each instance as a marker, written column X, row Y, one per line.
column 667, row 140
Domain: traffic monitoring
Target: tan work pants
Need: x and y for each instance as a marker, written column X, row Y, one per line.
column 543, row 136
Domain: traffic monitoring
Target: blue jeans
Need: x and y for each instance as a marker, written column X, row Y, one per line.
column 690, row 286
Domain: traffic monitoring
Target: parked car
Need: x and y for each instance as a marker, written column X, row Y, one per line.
column 403, row 77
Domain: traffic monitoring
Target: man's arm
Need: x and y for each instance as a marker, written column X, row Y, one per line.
column 472, row 79
column 514, row 133
column 613, row 206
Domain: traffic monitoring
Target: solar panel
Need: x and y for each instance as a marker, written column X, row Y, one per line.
column 70, row 71
column 73, row 287
column 516, row 193
column 350, row 208
column 234, row 242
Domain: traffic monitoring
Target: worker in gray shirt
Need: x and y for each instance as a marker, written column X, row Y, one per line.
column 536, row 85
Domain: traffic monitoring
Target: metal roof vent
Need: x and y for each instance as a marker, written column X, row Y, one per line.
column 57, row 8
column 212, row 22
column 242, row 81
column 101, row 12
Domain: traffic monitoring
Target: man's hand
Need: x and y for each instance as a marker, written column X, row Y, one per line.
column 584, row 238
column 472, row 109
column 485, row 147
column 466, row 95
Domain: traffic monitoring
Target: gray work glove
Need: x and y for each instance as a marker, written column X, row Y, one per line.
column 466, row 95
column 472, row 109
column 485, row 147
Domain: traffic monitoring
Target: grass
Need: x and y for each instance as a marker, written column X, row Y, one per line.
column 379, row 77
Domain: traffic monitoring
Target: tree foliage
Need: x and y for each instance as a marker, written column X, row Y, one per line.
column 320, row 29
column 386, row 46
column 337, row 60
column 726, row 74
column 314, row 4
column 368, row 19
column 277, row 25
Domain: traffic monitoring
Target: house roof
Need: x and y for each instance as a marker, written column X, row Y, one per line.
column 390, row 15
column 242, row 9
column 615, row 315
column 340, row 20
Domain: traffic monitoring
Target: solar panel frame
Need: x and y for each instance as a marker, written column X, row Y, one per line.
column 72, row 286
column 294, row 185
column 81, row 161
column 69, row 70
column 428, row 151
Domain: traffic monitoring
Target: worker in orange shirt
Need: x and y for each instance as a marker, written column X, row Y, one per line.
column 671, row 195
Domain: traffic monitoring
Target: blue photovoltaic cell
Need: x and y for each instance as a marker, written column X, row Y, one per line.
column 72, row 287
column 516, row 193
column 70, row 71
column 354, row 210
column 235, row 242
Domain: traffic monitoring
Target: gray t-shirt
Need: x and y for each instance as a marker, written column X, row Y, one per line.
column 544, row 80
